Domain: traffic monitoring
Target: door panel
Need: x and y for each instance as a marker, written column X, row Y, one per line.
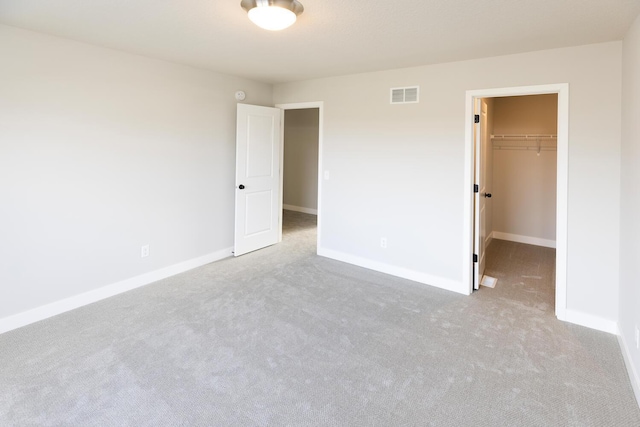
column 480, row 232
column 257, row 178
column 259, row 152
column 482, row 196
column 258, row 213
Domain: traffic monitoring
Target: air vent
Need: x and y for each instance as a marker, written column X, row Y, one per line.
column 405, row 95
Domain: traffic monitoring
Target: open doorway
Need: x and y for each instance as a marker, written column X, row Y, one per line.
column 300, row 180
column 518, row 173
column 300, row 163
column 473, row 98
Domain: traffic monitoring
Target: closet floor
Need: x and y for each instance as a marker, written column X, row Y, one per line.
column 525, row 273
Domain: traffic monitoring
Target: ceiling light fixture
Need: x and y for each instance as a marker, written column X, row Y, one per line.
column 272, row 15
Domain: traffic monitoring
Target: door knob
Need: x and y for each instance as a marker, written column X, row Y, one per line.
column 241, row 187
column 487, row 195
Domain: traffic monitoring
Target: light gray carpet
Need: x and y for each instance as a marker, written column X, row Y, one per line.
column 284, row 337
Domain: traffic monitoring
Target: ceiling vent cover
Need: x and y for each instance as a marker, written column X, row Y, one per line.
column 405, row 95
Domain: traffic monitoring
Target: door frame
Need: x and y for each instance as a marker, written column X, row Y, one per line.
column 303, row 106
column 562, row 166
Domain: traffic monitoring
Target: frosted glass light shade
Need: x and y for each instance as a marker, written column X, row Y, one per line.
column 272, row 15
column 272, row 18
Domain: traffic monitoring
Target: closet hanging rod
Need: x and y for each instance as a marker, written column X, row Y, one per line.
column 516, row 147
column 527, row 136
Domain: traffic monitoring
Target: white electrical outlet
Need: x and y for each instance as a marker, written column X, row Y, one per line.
column 383, row 242
column 144, row 251
column 326, row 175
column 637, row 336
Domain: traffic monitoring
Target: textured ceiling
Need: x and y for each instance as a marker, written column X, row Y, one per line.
column 331, row 37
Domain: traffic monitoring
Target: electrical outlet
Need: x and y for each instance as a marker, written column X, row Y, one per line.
column 144, row 251
column 383, row 242
column 637, row 337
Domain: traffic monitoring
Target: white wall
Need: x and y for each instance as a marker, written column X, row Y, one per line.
column 630, row 201
column 102, row 152
column 300, row 178
column 524, row 181
column 397, row 171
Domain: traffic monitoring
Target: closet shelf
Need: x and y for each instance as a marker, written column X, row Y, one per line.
column 525, row 137
column 519, row 147
column 534, row 142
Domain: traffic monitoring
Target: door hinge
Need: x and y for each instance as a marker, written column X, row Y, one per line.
column 476, row 189
column 475, row 257
column 476, row 118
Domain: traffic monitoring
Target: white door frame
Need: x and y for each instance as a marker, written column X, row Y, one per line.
column 562, row 90
column 301, row 106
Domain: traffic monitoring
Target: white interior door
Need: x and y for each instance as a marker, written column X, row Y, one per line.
column 257, row 178
column 480, row 189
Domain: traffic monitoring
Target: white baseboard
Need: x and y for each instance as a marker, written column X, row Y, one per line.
column 58, row 307
column 631, row 369
column 488, row 239
column 524, row 239
column 416, row 276
column 591, row 321
column 300, row 209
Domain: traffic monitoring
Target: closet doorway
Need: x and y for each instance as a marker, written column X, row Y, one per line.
column 524, row 169
column 518, row 198
column 300, row 157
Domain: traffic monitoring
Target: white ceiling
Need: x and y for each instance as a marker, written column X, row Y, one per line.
column 331, row 37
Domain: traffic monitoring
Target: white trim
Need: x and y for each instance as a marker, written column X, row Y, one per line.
column 631, row 369
column 562, row 90
column 416, row 276
column 300, row 106
column 591, row 321
column 524, row 239
column 300, row 209
column 562, row 201
column 467, row 205
column 61, row 306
